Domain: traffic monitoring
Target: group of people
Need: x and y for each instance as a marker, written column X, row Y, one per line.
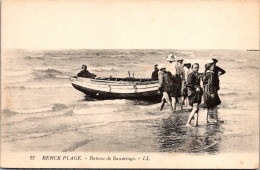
column 182, row 81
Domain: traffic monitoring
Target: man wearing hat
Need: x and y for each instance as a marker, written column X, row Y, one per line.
column 155, row 72
column 172, row 60
column 165, row 86
column 218, row 72
column 85, row 73
column 176, row 69
column 179, row 67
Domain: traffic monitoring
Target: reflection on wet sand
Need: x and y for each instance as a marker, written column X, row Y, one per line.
column 176, row 137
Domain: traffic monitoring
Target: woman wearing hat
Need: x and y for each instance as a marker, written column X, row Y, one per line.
column 194, row 93
column 210, row 83
column 165, row 86
column 218, row 72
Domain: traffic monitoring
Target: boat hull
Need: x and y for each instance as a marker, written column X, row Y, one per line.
column 117, row 90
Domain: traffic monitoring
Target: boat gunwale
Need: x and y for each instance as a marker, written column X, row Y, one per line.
column 130, row 86
column 115, row 83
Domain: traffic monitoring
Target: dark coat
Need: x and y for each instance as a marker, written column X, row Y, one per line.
column 218, row 70
column 210, row 84
column 193, row 82
column 165, row 82
column 155, row 75
column 86, row 74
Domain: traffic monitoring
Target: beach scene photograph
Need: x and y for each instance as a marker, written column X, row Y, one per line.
column 95, row 79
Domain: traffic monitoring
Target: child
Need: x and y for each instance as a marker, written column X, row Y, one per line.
column 194, row 93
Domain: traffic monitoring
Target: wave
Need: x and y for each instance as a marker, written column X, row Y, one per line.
column 13, row 82
column 100, row 69
column 250, row 67
column 37, row 86
column 120, row 107
column 17, row 73
column 109, row 102
column 35, row 58
column 229, row 94
column 186, row 52
column 48, row 73
column 54, row 107
column 103, row 106
column 49, row 70
column 118, row 56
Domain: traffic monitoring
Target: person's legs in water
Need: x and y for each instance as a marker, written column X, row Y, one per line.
column 196, row 115
column 183, row 100
column 207, row 118
column 163, row 101
column 162, row 104
column 215, row 112
column 174, row 103
column 194, row 110
column 166, row 99
column 180, row 102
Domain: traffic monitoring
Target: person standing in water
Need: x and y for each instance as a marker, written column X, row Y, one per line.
column 176, row 78
column 186, row 69
column 210, row 94
column 194, row 93
column 155, row 72
column 165, row 86
column 218, row 72
column 181, row 80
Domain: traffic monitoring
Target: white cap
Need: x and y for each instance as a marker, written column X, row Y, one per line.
column 171, row 57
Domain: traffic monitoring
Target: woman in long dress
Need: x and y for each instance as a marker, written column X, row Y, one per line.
column 210, row 94
column 194, row 93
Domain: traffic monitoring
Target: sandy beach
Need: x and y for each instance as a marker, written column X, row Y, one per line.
column 45, row 113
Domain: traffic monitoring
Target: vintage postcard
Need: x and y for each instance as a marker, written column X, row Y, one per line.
column 130, row 84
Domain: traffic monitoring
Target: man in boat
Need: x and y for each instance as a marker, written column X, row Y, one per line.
column 155, row 72
column 85, row 73
column 176, row 69
column 165, row 86
column 218, row 72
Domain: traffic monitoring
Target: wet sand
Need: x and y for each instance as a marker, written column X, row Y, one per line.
column 156, row 132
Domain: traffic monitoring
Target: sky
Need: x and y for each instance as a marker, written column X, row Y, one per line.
column 136, row 24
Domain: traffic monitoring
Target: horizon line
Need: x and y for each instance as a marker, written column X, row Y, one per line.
column 249, row 49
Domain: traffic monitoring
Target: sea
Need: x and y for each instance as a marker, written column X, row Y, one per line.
column 41, row 111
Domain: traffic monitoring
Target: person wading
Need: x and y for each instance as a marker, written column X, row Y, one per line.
column 194, row 93
column 210, row 94
column 165, row 86
column 176, row 71
column 186, row 68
